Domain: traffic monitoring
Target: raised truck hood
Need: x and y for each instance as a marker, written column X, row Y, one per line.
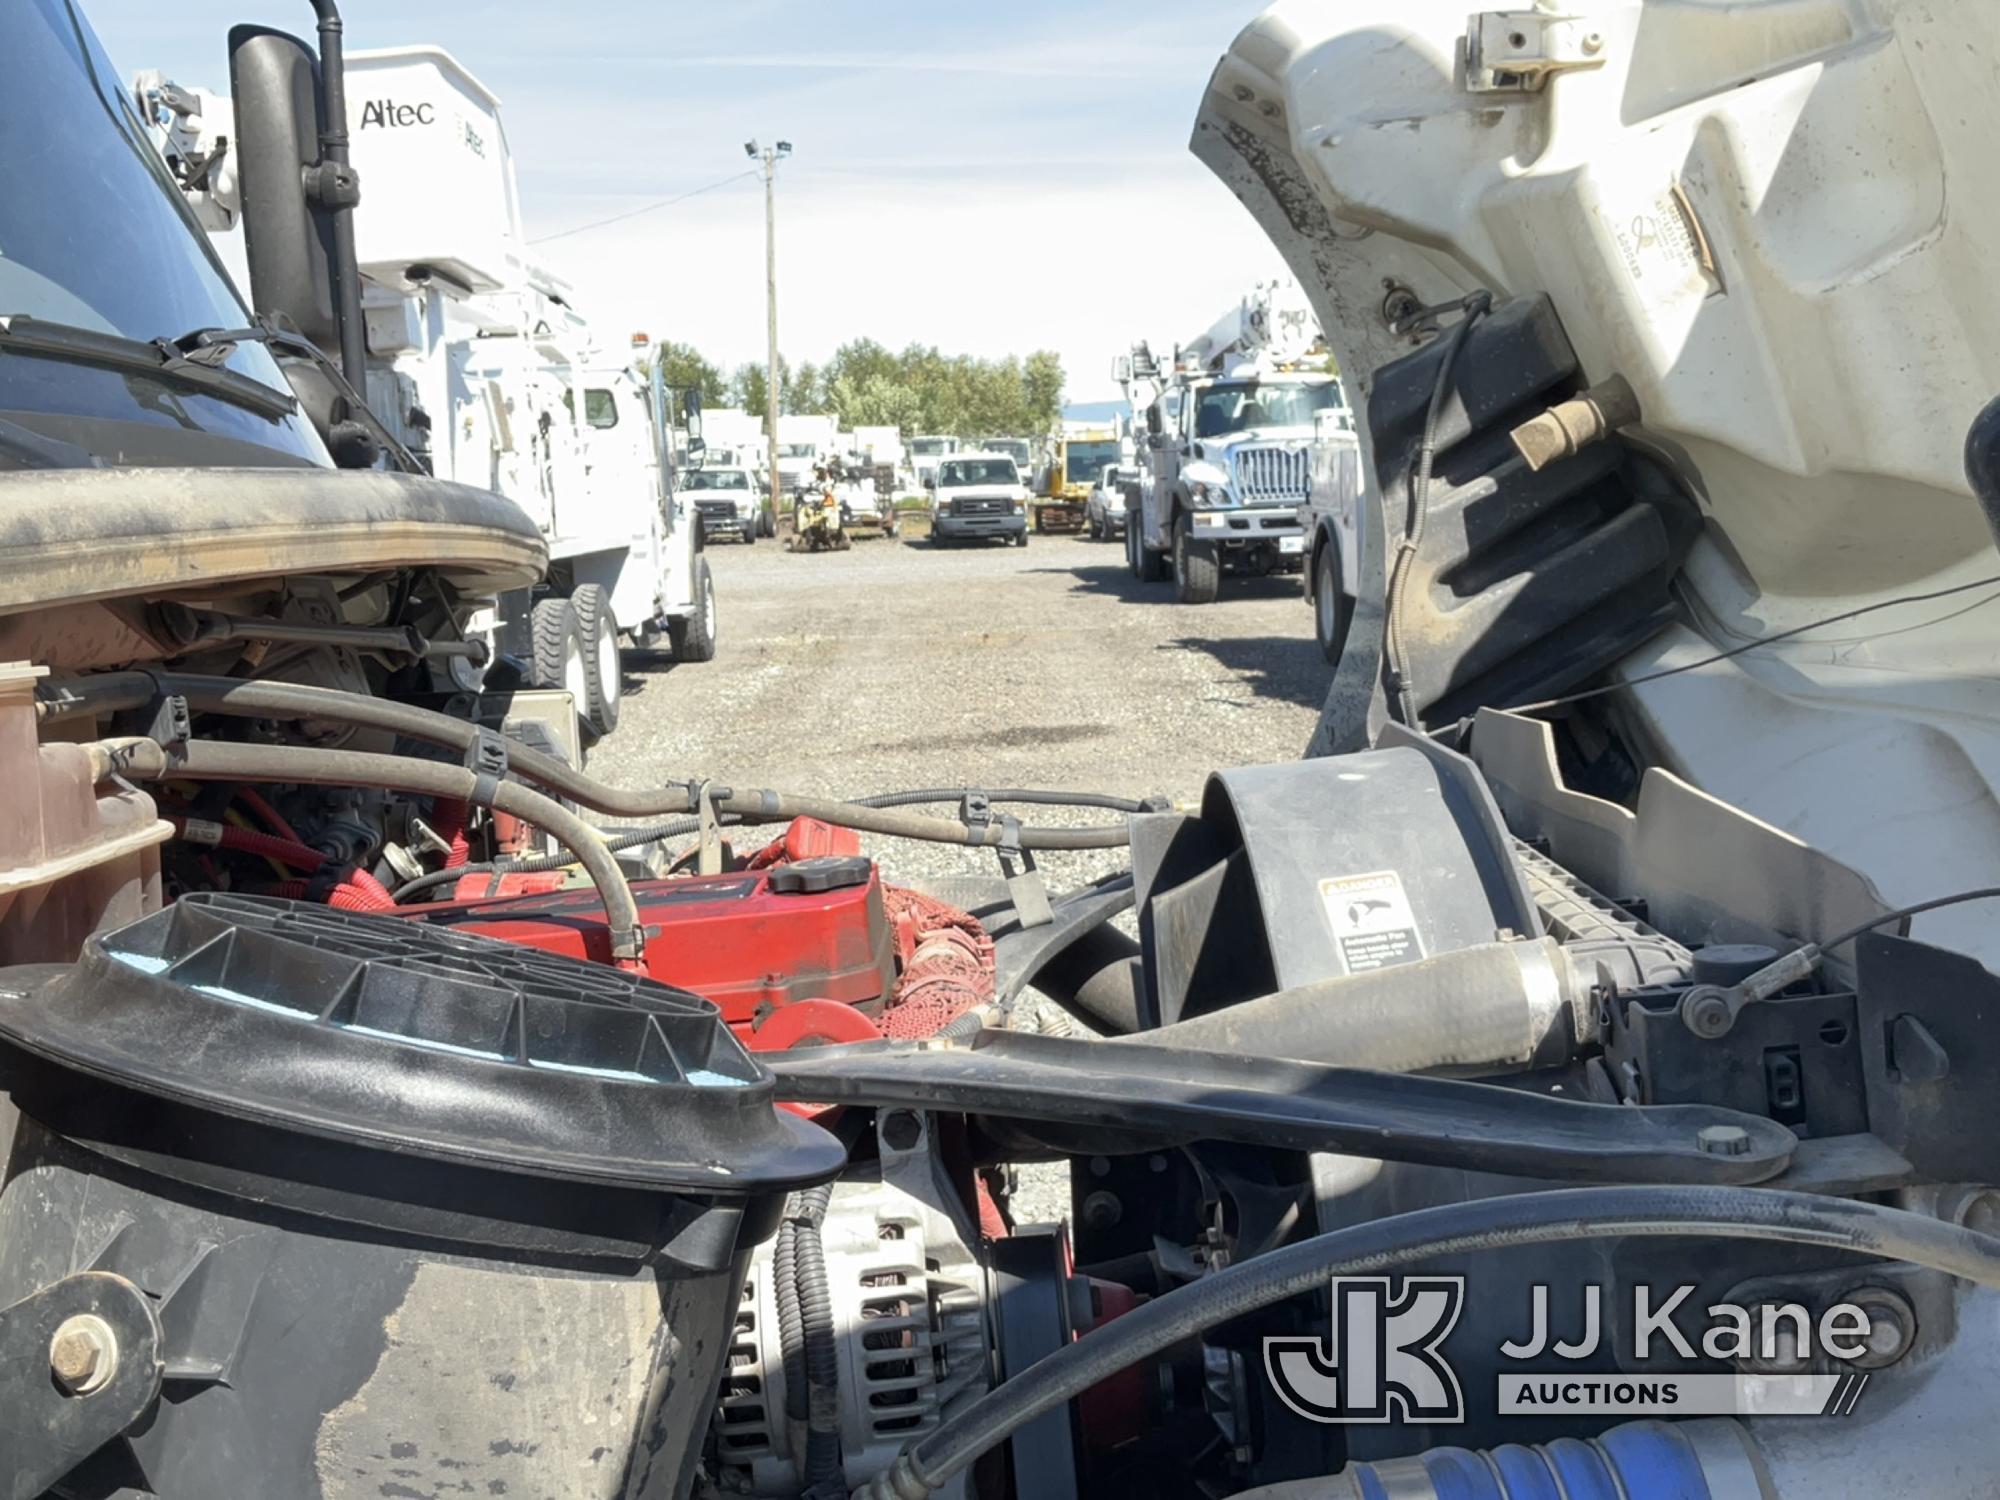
column 1773, row 220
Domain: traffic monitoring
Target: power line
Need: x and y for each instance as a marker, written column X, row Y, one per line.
column 633, row 213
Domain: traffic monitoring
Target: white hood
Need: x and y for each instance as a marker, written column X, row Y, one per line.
column 1773, row 219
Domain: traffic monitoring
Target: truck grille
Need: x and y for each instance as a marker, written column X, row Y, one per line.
column 1268, row 474
column 979, row 506
column 716, row 510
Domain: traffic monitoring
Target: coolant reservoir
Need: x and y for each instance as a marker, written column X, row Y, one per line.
column 74, row 857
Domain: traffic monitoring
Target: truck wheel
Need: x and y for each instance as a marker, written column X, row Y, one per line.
column 750, row 532
column 1197, row 568
column 603, row 682
column 1330, row 607
column 694, row 636
column 558, row 647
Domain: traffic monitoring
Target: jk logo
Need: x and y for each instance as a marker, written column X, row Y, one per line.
column 1383, row 1363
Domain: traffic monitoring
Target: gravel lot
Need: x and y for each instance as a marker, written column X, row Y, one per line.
column 899, row 665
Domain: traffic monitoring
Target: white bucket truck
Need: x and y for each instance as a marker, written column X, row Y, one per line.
column 1225, row 460
column 480, row 363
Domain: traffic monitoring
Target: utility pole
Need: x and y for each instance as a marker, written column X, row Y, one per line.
column 770, row 157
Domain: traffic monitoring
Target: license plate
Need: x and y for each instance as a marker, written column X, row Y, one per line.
column 1290, row 544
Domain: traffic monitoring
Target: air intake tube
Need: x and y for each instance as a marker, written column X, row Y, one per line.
column 1709, row 1460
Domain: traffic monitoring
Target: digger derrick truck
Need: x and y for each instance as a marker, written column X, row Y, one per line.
column 1077, row 456
column 1227, row 423
column 354, row 1146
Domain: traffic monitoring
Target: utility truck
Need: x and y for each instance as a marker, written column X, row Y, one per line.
column 1076, row 462
column 1228, row 420
column 479, row 361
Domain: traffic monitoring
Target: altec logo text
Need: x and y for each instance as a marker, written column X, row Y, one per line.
column 387, row 114
column 1384, row 1361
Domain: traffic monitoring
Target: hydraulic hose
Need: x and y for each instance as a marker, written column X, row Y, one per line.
column 289, row 700
column 1483, row 1224
column 212, row 760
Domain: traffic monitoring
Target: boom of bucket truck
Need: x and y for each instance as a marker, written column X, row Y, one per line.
column 1226, row 427
column 481, row 364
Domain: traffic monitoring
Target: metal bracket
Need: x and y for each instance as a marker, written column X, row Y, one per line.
column 708, row 857
column 1025, row 886
column 172, row 725
column 1519, row 51
column 1130, row 1090
column 59, row 1406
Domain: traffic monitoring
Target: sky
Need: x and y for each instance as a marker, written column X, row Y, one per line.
column 988, row 179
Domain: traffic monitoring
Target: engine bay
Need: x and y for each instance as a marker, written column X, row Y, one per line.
column 332, row 996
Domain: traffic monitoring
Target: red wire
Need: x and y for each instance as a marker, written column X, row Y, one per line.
column 273, row 820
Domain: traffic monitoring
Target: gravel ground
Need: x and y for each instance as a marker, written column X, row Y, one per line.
column 899, row 665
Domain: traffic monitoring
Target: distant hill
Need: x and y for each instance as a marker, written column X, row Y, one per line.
column 1096, row 411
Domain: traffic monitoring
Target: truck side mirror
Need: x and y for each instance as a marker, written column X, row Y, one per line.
column 287, row 239
column 1154, row 426
column 691, row 419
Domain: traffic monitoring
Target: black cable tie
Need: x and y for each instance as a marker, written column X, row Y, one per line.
column 975, row 809
column 320, row 884
column 487, row 754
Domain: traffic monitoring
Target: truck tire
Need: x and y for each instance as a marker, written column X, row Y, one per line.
column 1330, row 606
column 1147, row 567
column 558, row 647
column 603, row 673
column 694, row 636
column 1197, row 567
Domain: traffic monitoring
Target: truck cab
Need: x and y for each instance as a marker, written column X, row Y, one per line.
column 1224, row 471
column 979, row 495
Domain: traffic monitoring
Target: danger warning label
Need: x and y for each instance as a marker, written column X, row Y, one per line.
column 1373, row 926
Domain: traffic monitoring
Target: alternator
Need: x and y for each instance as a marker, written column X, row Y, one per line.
column 910, row 1319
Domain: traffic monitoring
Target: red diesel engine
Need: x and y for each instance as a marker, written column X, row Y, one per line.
column 804, row 944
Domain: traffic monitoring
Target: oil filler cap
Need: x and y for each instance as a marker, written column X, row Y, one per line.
column 827, row 872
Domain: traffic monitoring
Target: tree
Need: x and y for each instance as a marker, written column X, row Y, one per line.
column 685, row 368
column 1042, row 389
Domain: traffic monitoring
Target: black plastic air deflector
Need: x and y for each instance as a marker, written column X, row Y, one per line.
column 412, row 1038
column 1525, row 584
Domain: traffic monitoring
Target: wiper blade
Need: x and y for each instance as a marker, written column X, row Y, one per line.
column 210, row 343
column 200, row 370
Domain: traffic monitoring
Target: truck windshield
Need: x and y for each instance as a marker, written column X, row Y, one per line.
column 1083, row 461
column 961, row 472
column 795, row 450
column 93, row 234
column 1241, row 406
column 929, row 447
column 718, row 479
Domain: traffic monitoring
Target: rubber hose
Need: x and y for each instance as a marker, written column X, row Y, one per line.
column 230, row 695
column 1456, row 1228
column 1024, row 796
column 211, row 760
column 537, row 863
column 1097, row 979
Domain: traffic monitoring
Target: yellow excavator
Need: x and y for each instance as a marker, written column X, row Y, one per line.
column 1076, row 458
